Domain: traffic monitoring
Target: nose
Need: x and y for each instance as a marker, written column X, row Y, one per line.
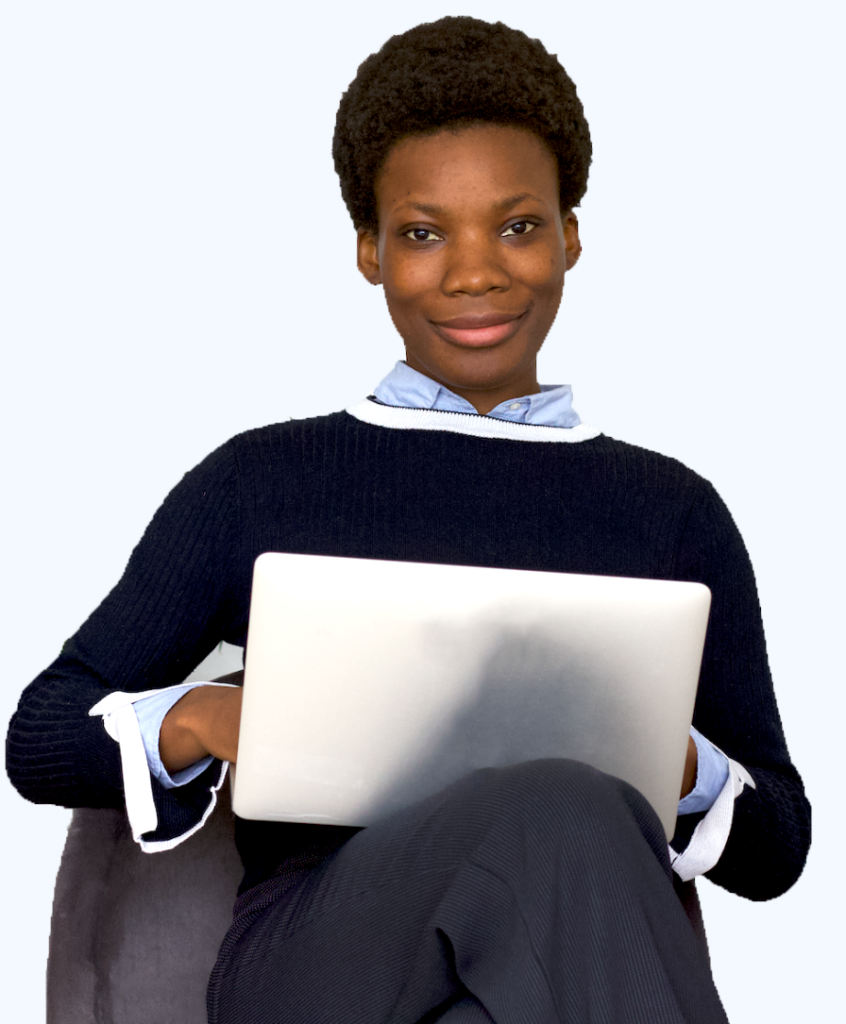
column 474, row 266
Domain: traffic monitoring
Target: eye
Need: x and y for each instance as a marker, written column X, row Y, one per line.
column 522, row 227
column 419, row 235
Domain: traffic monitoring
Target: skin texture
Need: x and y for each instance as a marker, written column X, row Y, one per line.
column 205, row 721
column 469, row 224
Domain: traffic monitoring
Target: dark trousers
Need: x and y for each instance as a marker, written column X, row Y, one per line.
column 536, row 894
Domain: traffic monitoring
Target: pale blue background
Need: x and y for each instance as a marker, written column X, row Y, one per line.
column 176, row 265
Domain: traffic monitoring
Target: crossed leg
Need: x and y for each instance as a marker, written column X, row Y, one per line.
column 535, row 894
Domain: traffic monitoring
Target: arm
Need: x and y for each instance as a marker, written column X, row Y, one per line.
column 205, row 721
column 182, row 593
column 736, row 709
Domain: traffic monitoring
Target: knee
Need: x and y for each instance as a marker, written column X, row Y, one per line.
column 553, row 796
column 537, row 788
column 557, row 778
column 579, row 799
column 567, row 793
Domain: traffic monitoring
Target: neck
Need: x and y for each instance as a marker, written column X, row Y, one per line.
column 485, row 396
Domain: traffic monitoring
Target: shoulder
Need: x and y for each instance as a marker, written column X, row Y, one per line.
column 289, row 431
column 262, row 445
column 219, row 475
column 642, row 467
column 664, row 492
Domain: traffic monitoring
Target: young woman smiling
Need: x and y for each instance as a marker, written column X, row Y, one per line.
column 472, row 249
column 538, row 893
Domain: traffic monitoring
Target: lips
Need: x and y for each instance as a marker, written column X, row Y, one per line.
column 478, row 321
column 480, row 329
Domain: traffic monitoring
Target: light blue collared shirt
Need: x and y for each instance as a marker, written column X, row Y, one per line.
column 407, row 388
column 410, row 389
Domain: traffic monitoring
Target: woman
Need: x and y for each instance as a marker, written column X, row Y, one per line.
column 536, row 893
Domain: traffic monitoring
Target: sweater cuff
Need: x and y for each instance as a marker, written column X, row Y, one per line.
column 121, row 723
column 711, row 834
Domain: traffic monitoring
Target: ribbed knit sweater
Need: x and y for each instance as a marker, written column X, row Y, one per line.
column 336, row 485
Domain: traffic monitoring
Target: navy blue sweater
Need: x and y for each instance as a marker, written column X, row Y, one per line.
column 335, row 485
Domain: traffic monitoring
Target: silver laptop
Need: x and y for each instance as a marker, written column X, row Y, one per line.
column 371, row 684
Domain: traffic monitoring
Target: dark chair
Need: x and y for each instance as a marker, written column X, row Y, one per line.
column 134, row 936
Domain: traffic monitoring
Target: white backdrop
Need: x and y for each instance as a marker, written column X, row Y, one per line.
column 176, row 265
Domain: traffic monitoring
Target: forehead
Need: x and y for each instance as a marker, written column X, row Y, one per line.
column 478, row 165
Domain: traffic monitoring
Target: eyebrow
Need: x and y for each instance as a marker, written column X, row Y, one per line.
column 504, row 204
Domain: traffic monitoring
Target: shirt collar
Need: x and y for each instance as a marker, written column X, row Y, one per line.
column 410, row 389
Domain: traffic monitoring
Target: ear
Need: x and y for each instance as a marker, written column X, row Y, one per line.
column 368, row 256
column 572, row 242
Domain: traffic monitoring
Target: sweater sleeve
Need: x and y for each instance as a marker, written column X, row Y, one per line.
column 177, row 599
column 736, row 709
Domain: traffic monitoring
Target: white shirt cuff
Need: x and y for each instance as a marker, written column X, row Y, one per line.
column 121, row 723
column 711, row 834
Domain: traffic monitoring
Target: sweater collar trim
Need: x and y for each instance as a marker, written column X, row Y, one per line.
column 471, row 424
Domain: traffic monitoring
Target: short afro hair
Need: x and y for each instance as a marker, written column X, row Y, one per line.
column 452, row 73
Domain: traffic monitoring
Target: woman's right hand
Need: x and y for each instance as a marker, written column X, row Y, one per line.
column 205, row 721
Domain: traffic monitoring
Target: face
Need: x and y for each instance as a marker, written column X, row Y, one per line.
column 472, row 251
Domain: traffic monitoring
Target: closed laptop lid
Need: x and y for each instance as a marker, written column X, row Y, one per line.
column 370, row 684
